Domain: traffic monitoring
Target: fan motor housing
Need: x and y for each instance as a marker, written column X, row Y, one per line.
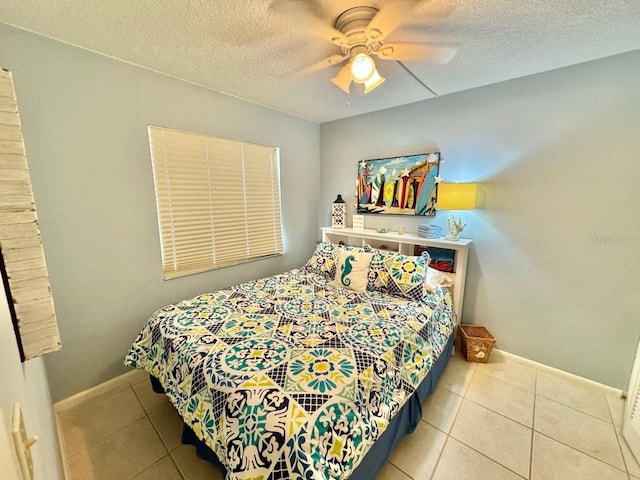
column 353, row 22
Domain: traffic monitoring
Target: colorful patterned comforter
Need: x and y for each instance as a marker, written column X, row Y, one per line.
column 289, row 376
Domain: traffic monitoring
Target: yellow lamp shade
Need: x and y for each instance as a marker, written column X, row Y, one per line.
column 457, row 196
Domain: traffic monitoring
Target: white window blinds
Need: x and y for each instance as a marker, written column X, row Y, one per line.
column 218, row 200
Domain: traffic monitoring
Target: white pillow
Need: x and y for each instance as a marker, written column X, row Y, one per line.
column 352, row 270
column 436, row 278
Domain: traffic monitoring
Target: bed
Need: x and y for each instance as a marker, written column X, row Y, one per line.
column 297, row 375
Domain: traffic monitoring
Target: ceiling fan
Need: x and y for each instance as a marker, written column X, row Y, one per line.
column 361, row 32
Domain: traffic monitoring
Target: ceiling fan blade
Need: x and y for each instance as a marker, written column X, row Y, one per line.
column 440, row 53
column 343, row 78
column 322, row 64
column 390, row 17
column 310, row 16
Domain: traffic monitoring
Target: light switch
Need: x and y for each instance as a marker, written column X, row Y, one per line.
column 22, row 443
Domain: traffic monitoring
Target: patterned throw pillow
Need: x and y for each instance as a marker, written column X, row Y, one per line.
column 378, row 275
column 324, row 259
column 400, row 275
column 352, row 269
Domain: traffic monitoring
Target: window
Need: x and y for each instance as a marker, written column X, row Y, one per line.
column 218, row 201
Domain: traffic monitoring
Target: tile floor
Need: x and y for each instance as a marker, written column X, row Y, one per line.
column 497, row 421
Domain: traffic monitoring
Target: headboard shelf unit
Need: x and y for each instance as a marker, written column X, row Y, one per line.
column 384, row 245
column 406, row 245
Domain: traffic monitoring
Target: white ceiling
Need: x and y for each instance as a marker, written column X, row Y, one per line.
column 246, row 49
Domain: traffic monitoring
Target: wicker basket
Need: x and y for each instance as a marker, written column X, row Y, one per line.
column 476, row 343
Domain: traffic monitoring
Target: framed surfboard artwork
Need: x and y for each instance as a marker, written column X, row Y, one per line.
column 405, row 185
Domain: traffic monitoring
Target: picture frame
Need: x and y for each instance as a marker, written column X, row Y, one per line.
column 403, row 185
column 358, row 222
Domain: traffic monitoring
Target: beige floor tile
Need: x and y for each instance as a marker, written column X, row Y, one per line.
column 631, row 463
column 555, row 461
column 121, row 456
column 109, row 436
column 441, row 408
column 573, row 393
column 151, row 401
column 457, row 375
column 138, row 376
column 629, row 459
column 633, row 467
column 616, row 409
column 97, row 418
column 459, row 462
column 192, row 466
column 510, row 372
column 169, row 426
column 417, row 454
column 391, row 472
column 502, row 397
column 499, row 438
column 578, row 430
column 162, row 470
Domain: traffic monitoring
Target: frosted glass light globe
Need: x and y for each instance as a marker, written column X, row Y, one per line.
column 362, row 67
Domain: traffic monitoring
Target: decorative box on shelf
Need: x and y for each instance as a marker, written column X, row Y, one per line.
column 476, row 343
column 358, row 222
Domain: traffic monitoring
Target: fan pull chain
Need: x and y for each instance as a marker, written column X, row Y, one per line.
column 348, row 104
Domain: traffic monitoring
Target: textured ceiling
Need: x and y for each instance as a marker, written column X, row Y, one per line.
column 248, row 49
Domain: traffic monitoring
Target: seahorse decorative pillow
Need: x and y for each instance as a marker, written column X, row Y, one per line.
column 352, row 270
column 325, row 258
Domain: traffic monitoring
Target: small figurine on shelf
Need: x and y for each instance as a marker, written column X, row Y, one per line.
column 455, row 227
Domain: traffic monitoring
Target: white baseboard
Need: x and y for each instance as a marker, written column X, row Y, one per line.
column 117, row 383
column 560, row 373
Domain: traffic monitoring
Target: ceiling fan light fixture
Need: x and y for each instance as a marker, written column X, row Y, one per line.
column 343, row 79
column 375, row 80
column 362, row 68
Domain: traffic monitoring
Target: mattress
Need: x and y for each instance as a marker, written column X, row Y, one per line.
column 289, row 376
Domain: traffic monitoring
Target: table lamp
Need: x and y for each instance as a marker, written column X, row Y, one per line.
column 456, row 196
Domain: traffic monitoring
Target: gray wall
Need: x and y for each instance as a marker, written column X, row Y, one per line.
column 84, row 118
column 555, row 260
column 25, row 383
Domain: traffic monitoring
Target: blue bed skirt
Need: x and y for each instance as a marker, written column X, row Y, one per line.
column 402, row 424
